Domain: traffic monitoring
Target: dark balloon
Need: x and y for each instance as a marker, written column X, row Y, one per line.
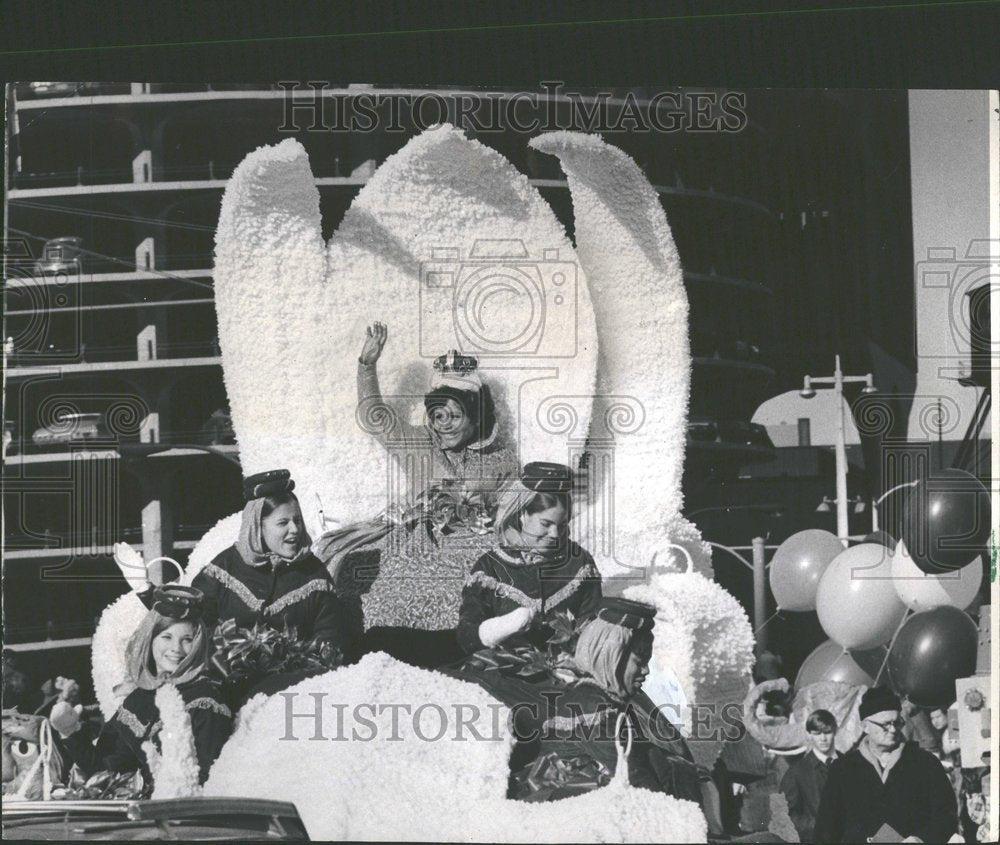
column 946, row 520
column 933, row 649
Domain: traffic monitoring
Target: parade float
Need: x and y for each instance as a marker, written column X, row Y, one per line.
column 585, row 347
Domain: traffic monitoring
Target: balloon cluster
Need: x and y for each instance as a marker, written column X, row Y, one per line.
column 884, row 605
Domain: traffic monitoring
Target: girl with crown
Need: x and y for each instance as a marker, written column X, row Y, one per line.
column 170, row 646
column 406, row 567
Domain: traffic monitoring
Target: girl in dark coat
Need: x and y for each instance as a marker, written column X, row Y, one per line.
column 535, row 569
column 270, row 575
column 170, row 646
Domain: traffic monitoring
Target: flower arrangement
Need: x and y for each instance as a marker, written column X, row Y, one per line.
column 246, row 654
column 448, row 507
column 103, row 785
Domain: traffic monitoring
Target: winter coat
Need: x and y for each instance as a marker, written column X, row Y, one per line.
column 501, row 581
column 916, row 799
column 802, row 786
column 119, row 745
column 300, row 595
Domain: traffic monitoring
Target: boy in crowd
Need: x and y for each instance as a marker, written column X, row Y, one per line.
column 803, row 783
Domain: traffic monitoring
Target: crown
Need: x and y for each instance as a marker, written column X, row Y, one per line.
column 458, row 371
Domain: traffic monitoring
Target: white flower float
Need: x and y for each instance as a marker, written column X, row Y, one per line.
column 610, row 372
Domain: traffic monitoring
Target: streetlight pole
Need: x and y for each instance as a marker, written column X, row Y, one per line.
column 837, row 382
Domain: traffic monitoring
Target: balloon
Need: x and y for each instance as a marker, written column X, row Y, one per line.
column 883, row 538
column 946, row 520
column 922, row 591
column 798, row 565
column 933, row 649
column 856, row 601
column 829, row 662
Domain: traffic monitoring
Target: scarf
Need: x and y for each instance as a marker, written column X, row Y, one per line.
column 138, row 657
column 600, row 651
column 250, row 543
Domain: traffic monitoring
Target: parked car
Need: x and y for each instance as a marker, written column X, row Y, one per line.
column 190, row 819
column 60, row 255
column 73, row 429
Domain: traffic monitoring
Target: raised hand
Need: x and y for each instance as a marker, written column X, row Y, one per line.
column 374, row 342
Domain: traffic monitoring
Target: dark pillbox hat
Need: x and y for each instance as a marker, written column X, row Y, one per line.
column 635, row 615
column 177, row 601
column 877, row 700
column 545, row 477
column 266, row 483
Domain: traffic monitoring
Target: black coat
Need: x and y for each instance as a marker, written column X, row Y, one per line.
column 915, row 800
column 802, row 786
column 501, row 582
column 300, row 595
column 119, row 746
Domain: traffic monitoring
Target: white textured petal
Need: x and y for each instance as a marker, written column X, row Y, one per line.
column 443, row 191
column 107, row 648
column 218, row 538
column 702, row 634
column 411, row 788
column 176, row 774
column 644, row 362
column 270, row 264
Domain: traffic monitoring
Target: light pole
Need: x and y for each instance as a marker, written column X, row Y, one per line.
column 837, row 382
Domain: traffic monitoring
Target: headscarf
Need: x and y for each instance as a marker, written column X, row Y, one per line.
column 517, row 498
column 139, row 672
column 250, row 543
column 600, row 651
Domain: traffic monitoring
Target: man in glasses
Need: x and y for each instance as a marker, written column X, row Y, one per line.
column 884, row 790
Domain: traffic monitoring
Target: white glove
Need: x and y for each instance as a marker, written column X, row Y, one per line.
column 132, row 567
column 65, row 718
column 497, row 629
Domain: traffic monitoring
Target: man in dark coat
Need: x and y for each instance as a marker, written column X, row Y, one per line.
column 803, row 783
column 884, row 788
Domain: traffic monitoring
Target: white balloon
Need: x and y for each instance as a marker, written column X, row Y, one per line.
column 921, row 590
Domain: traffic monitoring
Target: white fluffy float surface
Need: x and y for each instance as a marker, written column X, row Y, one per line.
column 292, row 315
column 411, row 788
column 116, row 625
column 703, row 635
column 626, row 248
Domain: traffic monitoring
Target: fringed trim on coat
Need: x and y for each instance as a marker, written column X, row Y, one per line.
column 206, row 703
column 317, row 585
column 132, row 722
column 235, row 586
column 242, row 591
column 509, row 591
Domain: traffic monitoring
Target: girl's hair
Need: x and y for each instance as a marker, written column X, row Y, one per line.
column 477, row 405
column 521, row 501
column 276, row 500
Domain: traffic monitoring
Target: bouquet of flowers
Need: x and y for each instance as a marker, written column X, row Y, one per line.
column 551, row 774
column 523, row 660
column 448, row 507
column 102, row 786
column 249, row 653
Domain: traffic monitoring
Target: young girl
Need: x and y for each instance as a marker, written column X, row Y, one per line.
column 535, row 568
column 171, row 645
column 269, row 575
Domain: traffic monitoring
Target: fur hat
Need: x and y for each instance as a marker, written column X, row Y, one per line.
column 877, row 700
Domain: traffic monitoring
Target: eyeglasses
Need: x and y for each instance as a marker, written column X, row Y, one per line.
column 896, row 724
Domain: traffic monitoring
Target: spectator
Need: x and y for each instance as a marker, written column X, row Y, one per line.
column 803, row 783
column 884, row 786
